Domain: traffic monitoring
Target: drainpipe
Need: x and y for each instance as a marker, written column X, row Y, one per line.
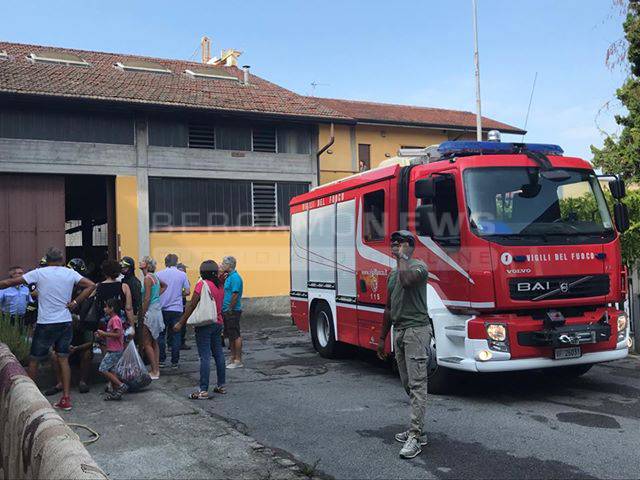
column 332, row 139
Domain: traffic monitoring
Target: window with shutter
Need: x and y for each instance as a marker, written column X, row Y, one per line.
column 264, row 139
column 264, row 204
column 202, row 136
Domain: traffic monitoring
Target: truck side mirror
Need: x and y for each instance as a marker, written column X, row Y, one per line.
column 425, row 188
column 425, row 219
column 621, row 216
column 617, row 188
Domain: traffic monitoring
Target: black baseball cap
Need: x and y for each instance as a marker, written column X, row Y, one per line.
column 404, row 236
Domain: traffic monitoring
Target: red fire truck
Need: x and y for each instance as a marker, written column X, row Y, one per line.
column 524, row 259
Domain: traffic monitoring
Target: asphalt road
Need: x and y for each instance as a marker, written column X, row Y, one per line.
column 340, row 415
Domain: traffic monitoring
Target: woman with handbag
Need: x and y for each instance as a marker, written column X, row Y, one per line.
column 204, row 313
column 150, row 314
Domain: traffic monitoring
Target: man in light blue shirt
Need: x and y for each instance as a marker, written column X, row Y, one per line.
column 14, row 300
column 172, row 307
column 232, row 310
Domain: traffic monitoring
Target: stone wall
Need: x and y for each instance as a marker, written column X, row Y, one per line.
column 258, row 306
column 35, row 443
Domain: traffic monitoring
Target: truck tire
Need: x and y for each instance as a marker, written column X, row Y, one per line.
column 440, row 379
column 574, row 371
column 323, row 334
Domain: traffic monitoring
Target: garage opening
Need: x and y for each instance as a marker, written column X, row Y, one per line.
column 90, row 231
column 75, row 212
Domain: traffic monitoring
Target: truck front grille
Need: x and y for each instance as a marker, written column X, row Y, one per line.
column 532, row 288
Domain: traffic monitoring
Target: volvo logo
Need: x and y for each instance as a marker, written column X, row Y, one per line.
column 564, row 287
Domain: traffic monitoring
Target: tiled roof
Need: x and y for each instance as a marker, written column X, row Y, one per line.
column 101, row 80
column 409, row 115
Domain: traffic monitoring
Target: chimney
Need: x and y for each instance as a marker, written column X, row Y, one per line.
column 205, row 45
column 245, row 69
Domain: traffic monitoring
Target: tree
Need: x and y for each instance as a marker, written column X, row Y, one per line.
column 621, row 153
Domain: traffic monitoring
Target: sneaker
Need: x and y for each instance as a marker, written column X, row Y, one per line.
column 235, row 365
column 402, row 437
column 411, row 448
column 113, row 396
column 83, row 387
column 174, row 366
column 63, row 404
column 162, row 365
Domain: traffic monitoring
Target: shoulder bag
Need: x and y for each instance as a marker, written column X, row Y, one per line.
column 206, row 311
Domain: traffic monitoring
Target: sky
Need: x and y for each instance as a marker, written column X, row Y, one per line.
column 407, row 52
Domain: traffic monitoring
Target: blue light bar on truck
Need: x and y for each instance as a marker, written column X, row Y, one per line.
column 453, row 148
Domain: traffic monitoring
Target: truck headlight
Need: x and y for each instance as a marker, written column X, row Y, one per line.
column 497, row 332
column 623, row 321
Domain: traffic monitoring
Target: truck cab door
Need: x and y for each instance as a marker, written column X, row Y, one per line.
column 436, row 199
column 373, row 260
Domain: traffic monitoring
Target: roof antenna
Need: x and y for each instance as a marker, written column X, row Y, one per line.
column 526, row 120
column 314, row 85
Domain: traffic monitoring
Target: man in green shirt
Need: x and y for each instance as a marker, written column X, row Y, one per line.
column 406, row 310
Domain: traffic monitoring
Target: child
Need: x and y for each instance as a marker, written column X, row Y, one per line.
column 115, row 345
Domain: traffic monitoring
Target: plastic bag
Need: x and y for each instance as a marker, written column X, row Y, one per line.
column 131, row 370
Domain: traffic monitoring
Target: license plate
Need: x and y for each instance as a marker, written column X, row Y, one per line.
column 564, row 353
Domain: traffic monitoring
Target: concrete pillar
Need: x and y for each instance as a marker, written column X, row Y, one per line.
column 142, row 177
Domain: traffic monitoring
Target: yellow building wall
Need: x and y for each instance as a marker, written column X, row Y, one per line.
column 127, row 216
column 262, row 256
column 337, row 162
column 385, row 141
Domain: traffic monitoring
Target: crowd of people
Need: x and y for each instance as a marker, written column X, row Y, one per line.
column 122, row 313
column 73, row 316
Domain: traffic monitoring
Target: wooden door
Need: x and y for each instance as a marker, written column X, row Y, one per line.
column 31, row 218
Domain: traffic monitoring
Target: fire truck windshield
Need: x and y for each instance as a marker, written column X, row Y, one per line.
column 522, row 202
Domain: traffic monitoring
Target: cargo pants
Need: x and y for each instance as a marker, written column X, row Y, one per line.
column 411, row 355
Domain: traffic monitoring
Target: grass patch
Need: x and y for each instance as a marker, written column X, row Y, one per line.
column 310, row 470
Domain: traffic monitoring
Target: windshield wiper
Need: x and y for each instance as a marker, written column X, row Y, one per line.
column 576, row 234
column 515, row 236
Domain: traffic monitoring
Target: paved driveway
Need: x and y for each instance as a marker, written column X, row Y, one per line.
column 341, row 415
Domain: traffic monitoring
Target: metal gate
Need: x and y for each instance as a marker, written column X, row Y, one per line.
column 32, row 215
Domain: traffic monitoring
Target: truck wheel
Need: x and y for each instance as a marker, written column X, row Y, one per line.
column 440, row 379
column 574, row 371
column 322, row 332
